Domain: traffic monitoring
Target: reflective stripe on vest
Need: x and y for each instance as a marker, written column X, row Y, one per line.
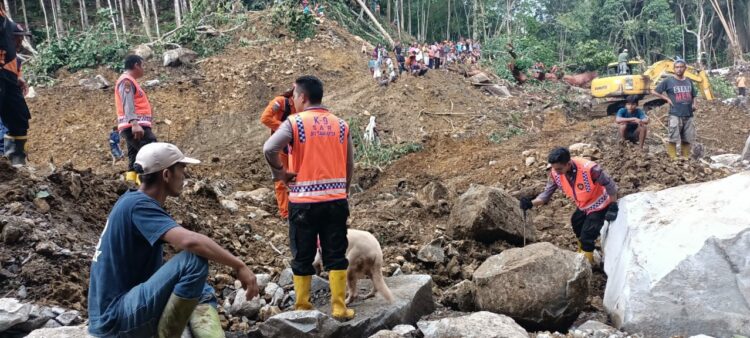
column 140, row 100
column 587, row 195
column 319, row 157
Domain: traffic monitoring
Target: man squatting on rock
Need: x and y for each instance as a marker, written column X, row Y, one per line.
column 132, row 292
column 590, row 188
column 321, row 166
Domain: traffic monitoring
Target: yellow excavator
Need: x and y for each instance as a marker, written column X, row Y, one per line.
column 611, row 89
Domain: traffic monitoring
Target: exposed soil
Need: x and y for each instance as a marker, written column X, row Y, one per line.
column 211, row 110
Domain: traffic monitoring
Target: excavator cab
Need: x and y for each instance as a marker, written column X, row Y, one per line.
column 635, row 67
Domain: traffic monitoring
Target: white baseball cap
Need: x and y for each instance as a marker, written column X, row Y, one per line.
column 157, row 156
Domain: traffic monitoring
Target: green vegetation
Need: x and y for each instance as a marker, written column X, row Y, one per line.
column 504, row 135
column 377, row 155
column 722, row 88
column 288, row 15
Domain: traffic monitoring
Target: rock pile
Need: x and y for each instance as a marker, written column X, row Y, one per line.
column 19, row 318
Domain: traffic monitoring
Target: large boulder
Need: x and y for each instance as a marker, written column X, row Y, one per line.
column 476, row 325
column 61, row 332
column 540, row 286
column 179, row 56
column 460, row 296
column 677, row 260
column 413, row 299
column 143, row 51
column 488, row 214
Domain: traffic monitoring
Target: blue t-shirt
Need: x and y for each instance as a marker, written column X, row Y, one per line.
column 638, row 113
column 128, row 253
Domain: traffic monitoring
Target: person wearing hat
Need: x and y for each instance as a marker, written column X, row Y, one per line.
column 14, row 112
column 622, row 62
column 679, row 92
column 132, row 292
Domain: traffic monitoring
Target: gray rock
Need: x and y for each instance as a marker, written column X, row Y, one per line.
column 488, row 214
column 151, row 83
column 179, row 56
column 286, row 278
column 432, row 253
column 12, row 312
column 143, row 51
column 247, row 308
column 318, row 283
column 278, row 297
column 413, row 299
column 258, row 195
column 230, row 205
column 386, row 334
column 51, row 324
column 664, row 280
column 746, row 150
column 61, row 332
column 270, row 289
column 262, row 279
column 476, row 325
column 68, row 318
column 460, row 297
column 405, row 330
column 595, row 326
column 37, row 318
column 95, row 83
column 433, row 192
column 540, row 286
column 13, row 231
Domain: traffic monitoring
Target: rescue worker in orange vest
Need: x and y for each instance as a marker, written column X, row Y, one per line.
column 134, row 114
column 321, row 166
column 13, row 109
column 277, row 111
column 590, row 188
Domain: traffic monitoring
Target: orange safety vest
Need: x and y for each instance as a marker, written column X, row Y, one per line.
column 319, row 157
column 588, row 196
column 142, row 106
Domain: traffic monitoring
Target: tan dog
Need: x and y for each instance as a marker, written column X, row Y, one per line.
column 365, row 260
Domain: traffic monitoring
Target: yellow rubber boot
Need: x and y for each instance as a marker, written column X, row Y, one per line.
column 205, row 322
column 131, row 176
column 685, row 149
column 175, row 317
column 672, row 150
column 302, row 292
column 589, row 256
column 580, row 247
column 337, row 279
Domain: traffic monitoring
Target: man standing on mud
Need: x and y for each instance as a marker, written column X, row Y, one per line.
column 321, row 170
column 277, row 111
column 590, row 188
column 132, row 292
column 134, row 113
column 13, row 109
column 680, row 94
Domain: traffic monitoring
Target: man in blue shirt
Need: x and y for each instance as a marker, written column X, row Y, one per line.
column 632, row 121
column 132, row 292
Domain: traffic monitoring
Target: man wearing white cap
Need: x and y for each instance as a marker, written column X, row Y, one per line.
column 622, row 62
column 132, row 292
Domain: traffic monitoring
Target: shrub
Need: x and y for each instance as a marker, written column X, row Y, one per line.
column 288, row 15
column 378, row 155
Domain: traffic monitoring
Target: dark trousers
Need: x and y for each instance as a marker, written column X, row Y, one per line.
column 310, row 221
column 134, row 146
column 587, row 227
column 13, row 109
column 742, row 91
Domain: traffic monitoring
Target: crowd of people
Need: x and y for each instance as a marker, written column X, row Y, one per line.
column 416, row 59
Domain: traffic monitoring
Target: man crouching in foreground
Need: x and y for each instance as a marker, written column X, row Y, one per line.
column 132, row 292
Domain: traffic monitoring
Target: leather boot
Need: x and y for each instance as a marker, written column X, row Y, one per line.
column 302, row 292
column 15, row 150
column 205, row 322
column 337, row 279
column 175, row 317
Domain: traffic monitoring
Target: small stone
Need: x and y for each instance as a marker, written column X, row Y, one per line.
column 12, row 233
column 68, row 318
column 46, row 248
column 268, row 311
column 530, row 161
column 270, row 290
column 432, row 253
column 262, row 279
column 405, row 330
column 230, row 205
column 41, row 205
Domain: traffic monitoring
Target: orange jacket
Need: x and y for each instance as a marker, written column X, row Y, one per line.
column 142, row 106
column 277, row 112
column 587, row 195
column 319, row 157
